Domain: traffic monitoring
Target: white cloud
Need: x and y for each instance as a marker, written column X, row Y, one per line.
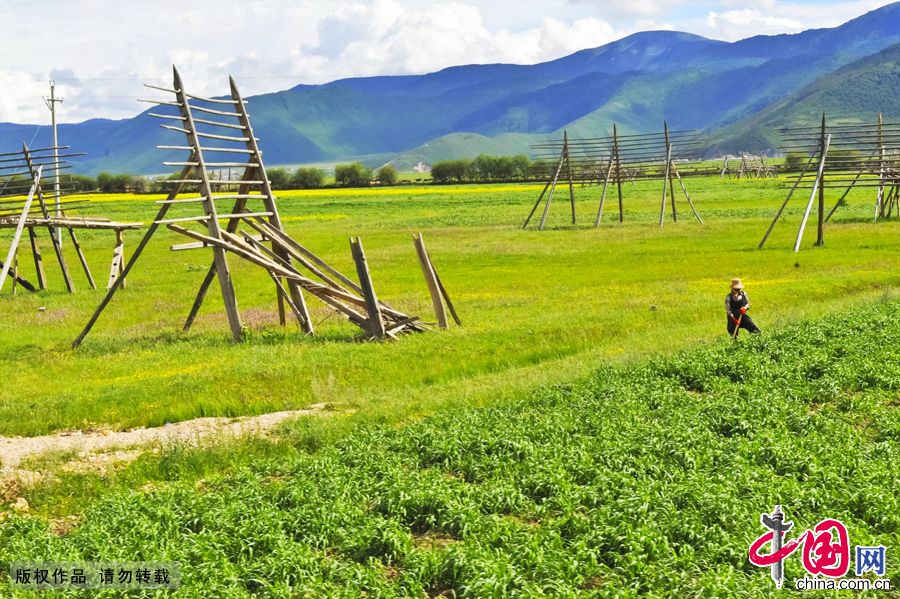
column 738, row 24
column 100, row 52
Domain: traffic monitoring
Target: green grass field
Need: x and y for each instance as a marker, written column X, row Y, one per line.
column 645, row 481
column 537, row 307
column 507, row 457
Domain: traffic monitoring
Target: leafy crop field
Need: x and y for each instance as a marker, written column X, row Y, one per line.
column 644, row 480
column 537, row 307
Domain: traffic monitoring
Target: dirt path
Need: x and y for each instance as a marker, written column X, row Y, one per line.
column 96, row 445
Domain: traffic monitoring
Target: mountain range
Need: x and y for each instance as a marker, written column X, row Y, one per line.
column 738, row 93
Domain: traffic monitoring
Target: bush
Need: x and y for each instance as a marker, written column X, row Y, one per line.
column 307, row 178
column 352, row 175
column 279, row 178
column 387, row 175
column 445, row 171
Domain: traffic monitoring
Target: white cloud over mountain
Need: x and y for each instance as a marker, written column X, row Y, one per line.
column 100, row 52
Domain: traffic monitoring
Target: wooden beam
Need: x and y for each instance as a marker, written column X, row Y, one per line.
column 38, row 259
column 812, row 196
column 81, row 257
column 376, row 324
column 223, row 272
column 430, row 281
column 17, row 236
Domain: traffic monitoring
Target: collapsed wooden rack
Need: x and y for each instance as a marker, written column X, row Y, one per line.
column 255, row 234
column 25, row 206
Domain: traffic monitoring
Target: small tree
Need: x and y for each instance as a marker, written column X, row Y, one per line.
column 278, row 178
column 353, row 174
column 307, row 178
column 387, row 174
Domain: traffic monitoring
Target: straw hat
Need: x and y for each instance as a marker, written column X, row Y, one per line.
column 736, row 284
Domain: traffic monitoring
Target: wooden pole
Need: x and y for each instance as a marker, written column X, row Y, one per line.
column 55, row 236
column 820, row 229
column 686, row 194
column 20, row 226
column 82, row 259
column 296, row 292
column 552, row 189
column 164, row 208
column 879, row 198
column 603, row 193
column 618, row 172
column 669, row 168
column 430, row 281
column 223, row 272
column 38, row 259
column 376, row 324
column 662, row 205
column 812, row 196
column 569, row 173
column 536, row 204
column 786, row 200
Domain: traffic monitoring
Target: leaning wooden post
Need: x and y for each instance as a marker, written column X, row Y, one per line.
column 269, row 202
column 55, row 238
column 618, row 172
column 569, row 173
column 662, row 205
column 15, row 272
column 879, row 199
column 786, row 200
column 812, row 196
column 670, row 167
column 820, row 230
column 431, row 281
column 603, row 193
column 223, row 272
column 686, row 194
column 117, row 266
column 38, row 259
column 81, row 258
column 552, row 189
column 20, row 226
column 376, row 323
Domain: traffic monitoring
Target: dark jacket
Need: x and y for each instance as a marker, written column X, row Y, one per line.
column 733, row 306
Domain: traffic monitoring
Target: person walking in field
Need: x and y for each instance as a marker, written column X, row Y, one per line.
column 736, row 305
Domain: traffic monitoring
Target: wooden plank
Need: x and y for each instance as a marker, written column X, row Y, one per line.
column 445, row 294
column 376, row 324
column 430, row 281
column 17, row 236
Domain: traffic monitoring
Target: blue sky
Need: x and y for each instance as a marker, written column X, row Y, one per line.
column 99, row 51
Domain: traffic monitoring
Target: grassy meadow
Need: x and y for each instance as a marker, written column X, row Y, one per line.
column 537, row 307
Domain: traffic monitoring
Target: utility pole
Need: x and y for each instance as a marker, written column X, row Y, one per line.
column 51, row 103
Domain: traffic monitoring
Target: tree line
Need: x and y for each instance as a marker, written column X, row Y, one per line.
column 483, row 169
column 487, row 169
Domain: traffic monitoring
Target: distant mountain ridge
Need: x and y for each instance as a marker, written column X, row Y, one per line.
column 730, row 90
